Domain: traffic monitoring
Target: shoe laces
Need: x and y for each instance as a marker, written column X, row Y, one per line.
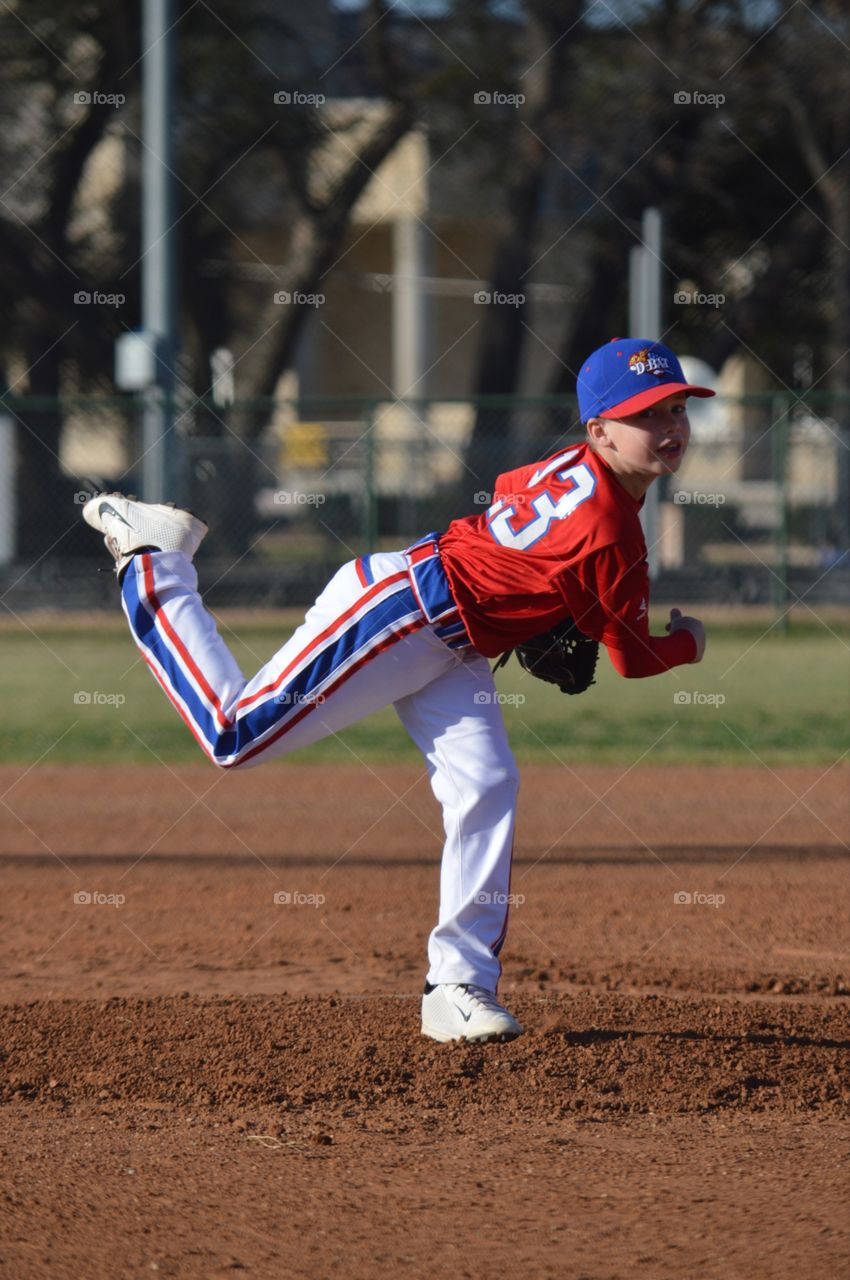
column 480, row 996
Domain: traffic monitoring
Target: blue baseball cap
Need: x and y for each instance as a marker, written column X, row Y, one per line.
column 627, row 375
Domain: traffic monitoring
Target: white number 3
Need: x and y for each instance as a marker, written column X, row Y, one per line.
column 545, row 510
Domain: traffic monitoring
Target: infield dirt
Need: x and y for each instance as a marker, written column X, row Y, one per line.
column 199, row 1080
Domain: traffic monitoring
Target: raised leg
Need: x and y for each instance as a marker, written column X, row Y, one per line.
column 361, row 647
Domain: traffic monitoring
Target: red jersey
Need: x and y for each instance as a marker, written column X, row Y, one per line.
column 562, row 538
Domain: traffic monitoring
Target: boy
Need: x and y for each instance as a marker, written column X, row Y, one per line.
column 415, row 629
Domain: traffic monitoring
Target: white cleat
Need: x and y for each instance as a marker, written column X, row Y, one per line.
column 463, row 1011
column 128, row 526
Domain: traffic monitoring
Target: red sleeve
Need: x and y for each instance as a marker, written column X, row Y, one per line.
column 609, row 600
column 651, row 655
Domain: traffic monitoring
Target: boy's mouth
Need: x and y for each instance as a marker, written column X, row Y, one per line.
column 671, row 450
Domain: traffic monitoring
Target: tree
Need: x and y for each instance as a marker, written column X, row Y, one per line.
column 238, row 152
column 544, row 81
column 47, row 258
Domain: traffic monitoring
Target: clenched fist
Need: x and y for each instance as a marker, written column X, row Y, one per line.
column 681, row 622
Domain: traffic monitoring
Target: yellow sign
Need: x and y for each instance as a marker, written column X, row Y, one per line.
column 304, row 446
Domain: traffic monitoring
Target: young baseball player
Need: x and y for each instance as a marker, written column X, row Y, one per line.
column 416, row 628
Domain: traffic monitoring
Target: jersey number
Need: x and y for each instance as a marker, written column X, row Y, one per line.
column 545, row 510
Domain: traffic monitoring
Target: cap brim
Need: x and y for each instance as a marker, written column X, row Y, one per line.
column 651, row 396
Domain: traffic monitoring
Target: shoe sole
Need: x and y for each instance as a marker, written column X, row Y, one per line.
column 494, row 1037
column 167, row 511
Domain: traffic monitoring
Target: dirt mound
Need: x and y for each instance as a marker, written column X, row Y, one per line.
column 343, row 1058
column 209, row 1078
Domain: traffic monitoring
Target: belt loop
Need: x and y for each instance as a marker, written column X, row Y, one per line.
column 421, row 551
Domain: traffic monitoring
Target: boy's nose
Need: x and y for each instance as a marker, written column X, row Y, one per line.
column 674, row 422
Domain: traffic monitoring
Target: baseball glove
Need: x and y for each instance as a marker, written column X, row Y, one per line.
column 563, row 656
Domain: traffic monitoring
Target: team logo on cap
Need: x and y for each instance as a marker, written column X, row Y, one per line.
column 646, row 361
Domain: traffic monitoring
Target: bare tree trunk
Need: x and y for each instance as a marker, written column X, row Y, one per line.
column 316, row 242
column 502, row 326
column 831, row 183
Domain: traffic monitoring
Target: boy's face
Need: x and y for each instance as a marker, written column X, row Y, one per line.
column 648, row 444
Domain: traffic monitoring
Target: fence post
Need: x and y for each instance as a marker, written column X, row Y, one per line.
column 8, row 489
column 781, row 435
column 370, row 496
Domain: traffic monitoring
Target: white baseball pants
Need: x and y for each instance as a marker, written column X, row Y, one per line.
column 384, row 630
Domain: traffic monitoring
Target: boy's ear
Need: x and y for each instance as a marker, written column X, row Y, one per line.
column 597, row 431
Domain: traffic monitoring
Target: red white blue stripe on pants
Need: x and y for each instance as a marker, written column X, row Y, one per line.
column 385, row 613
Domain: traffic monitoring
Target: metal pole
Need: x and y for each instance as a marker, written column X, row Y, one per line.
column 651, row 233
column 636, row 257
column 781, row 413
column 158, row 273
column 645, row 315
column 409, row 307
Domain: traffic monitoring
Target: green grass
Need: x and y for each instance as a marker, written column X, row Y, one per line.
column 786, row 702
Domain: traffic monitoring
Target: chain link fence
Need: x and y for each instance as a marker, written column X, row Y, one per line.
column 758, row 513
